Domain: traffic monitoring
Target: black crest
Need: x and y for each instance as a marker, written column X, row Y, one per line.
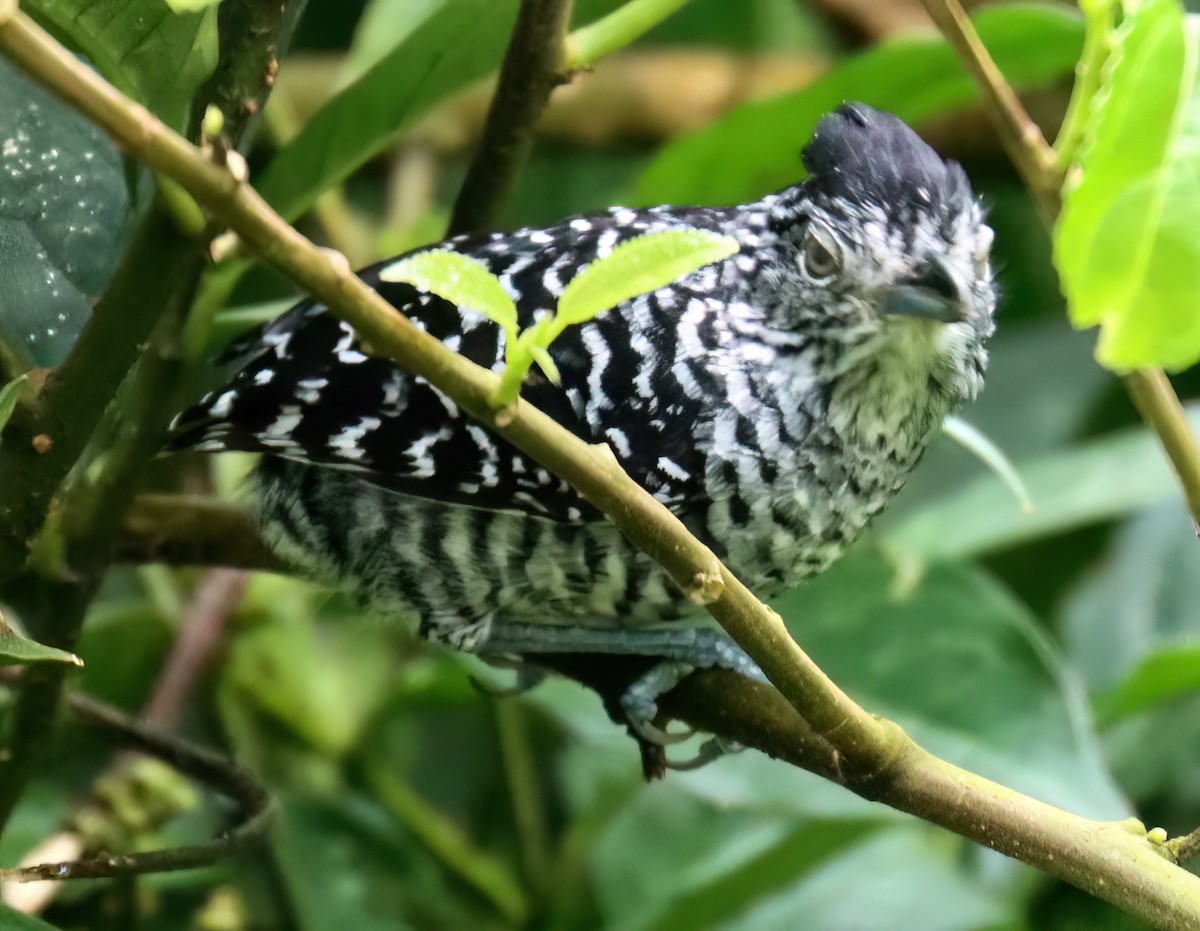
column 862, row 154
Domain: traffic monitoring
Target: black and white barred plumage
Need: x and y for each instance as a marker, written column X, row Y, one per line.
column 775, row 401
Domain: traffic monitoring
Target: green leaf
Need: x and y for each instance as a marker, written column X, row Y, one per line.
column 324, row 682
column 383, row 26
column 1092, row 482
column 347, row 836
column 1125, row 245
column 462, row 41
column 1138, row 600
column 729, row 869
column 155, row 55
column 458, row 279
column 12, row 920
column 1169, row 674
column 642, row 264
column 16, row 650
column 993, row 696
column 9, row 395
column 64, row 209
column 753, row 149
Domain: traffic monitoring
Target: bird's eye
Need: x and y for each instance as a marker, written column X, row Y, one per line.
column 821, row 254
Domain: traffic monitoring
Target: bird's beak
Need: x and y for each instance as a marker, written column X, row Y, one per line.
column 932, row 294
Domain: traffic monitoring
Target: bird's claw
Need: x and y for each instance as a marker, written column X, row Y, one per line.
column 712, row 749
column 652, row 733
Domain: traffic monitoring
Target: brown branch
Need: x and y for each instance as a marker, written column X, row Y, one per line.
column 873, row 757
column 184, row 530
column 215, row 598
column 1186, row 848
column 1022, row 140
column 529, row 73
column 258, row 810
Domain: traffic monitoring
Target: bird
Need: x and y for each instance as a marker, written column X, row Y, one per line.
column 774, row 401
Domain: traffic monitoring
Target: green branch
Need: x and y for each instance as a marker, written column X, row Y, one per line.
column 587, row 45
column 871, row 756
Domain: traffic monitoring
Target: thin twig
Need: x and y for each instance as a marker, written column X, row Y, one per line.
column 1021, row 137
column 211, row 768
column 524, row 792
column 216, row 595
column 529, row 73
column 874, row 758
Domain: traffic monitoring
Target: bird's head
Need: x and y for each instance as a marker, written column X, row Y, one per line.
column 888, row 258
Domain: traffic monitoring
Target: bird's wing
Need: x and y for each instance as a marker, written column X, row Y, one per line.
column 305, row 391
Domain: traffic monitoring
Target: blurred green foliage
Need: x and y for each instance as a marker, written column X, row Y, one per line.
column 1058, row 652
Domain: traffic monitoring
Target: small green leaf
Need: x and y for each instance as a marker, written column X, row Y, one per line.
column 458, row 279
column 640, row 265
column 190, row 6
column 16, row 650
column 9, row 395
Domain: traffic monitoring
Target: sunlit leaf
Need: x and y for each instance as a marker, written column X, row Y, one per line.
column 16, row 650
column 191, row 6
column 730, row 868
column 1126, row 245
column 637, row 266
column 459, row 279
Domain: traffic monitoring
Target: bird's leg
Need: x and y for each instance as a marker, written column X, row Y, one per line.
column 681, row 650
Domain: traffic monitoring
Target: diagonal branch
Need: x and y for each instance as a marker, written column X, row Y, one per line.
column 875, row 758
